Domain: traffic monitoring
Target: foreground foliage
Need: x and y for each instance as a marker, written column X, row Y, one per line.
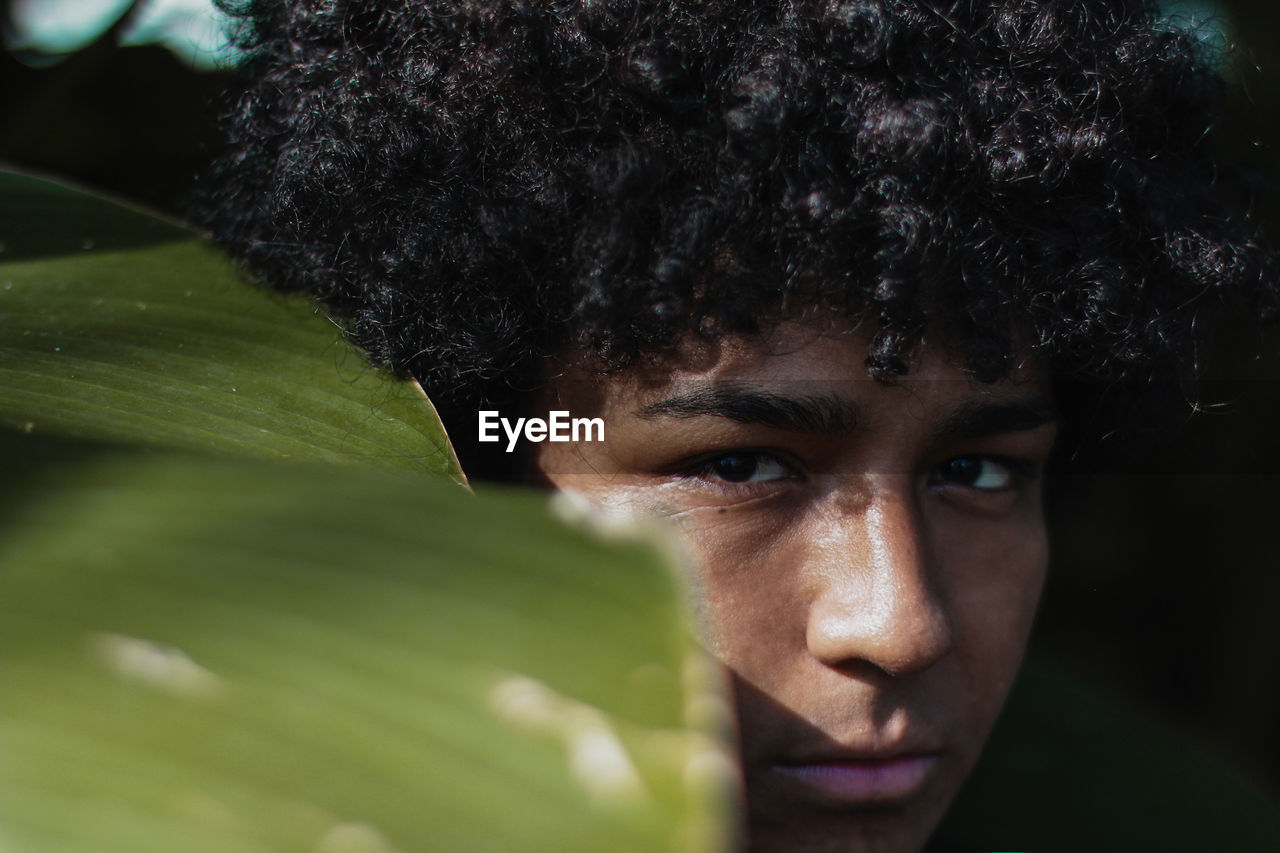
column 206, row 652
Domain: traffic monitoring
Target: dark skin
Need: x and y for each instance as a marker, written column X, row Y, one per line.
column 869, row 558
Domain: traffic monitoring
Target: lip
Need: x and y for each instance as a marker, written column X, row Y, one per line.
column 863, row 780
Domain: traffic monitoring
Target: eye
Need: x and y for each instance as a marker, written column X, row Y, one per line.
column 982, row 473
column 744, row 467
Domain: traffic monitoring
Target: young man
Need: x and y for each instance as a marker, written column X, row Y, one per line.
column 818, row 268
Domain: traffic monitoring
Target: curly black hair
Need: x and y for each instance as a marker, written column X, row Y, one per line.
column 473, row 186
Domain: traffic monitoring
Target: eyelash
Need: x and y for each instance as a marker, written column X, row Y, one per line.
column 706, row 469
column 1018, row 471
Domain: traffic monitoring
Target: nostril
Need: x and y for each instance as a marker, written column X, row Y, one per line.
column 896, row 634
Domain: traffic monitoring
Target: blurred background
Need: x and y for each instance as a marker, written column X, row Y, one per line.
column 112, row 94
column 1166, row 580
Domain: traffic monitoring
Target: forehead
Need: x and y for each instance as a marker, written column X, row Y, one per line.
column 822, row 363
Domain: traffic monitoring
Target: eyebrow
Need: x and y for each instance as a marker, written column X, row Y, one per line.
column 978, row 418
column 819, row 413
column 829, row 414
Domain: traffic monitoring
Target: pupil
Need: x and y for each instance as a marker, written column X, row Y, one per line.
column 964, row 471
column 735, row 469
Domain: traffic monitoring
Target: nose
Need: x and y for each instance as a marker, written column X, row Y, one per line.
column 874, row 600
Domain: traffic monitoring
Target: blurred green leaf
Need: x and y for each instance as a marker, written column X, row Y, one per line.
column 203, row 655
column 121, row 327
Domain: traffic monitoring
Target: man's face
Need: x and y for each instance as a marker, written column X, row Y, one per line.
column 869, row 561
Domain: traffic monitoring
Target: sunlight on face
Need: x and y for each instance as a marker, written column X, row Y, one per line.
column 869, row 561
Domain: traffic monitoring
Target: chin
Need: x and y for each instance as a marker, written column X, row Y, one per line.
column 887, row 832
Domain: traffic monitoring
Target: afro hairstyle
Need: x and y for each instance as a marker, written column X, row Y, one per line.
column 475, row 188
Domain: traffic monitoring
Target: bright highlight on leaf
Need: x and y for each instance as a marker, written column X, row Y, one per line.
column 151, row 663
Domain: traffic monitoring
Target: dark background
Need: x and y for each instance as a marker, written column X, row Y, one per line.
column 1167, row 573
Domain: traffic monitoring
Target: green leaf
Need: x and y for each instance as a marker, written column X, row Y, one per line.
column 202, row 655
column 121, row 327
column 206, row 654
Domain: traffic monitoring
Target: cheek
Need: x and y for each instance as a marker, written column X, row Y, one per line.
column 744, row 581
column 754, row 586
column 993, row 586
